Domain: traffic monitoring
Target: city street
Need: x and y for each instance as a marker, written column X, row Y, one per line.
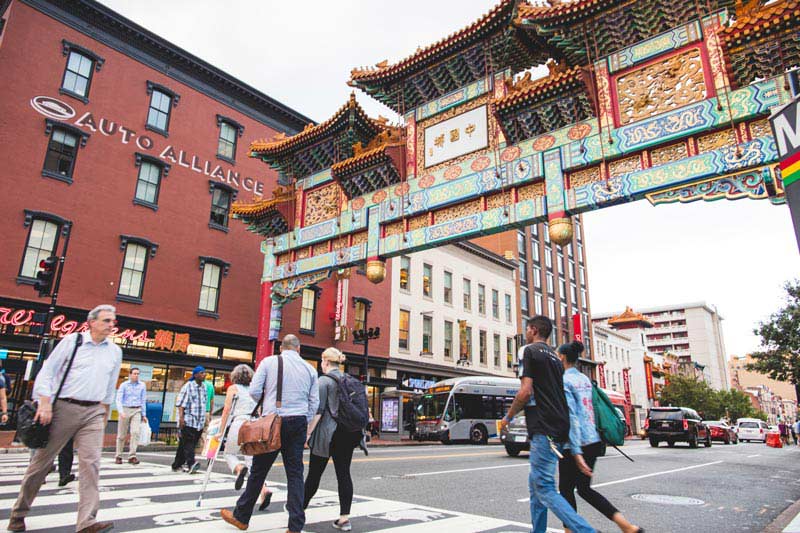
column 447, row 488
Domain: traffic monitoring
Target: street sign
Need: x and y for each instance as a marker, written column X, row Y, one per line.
column 785, row 122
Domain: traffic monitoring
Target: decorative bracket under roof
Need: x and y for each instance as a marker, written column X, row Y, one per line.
column 377, row 165
column 268, row 217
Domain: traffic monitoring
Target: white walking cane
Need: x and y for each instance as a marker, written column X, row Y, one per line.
column 223, row 440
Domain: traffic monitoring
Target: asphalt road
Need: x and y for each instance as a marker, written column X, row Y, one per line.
column 442, row 488
column 723, row 488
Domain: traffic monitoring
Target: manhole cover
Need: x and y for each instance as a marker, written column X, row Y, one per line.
column 665, row 499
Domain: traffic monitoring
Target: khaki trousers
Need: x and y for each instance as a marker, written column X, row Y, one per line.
column 85, row 425
column 132, row 422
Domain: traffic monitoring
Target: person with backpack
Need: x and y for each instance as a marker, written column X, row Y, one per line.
column 585, row 439
column 336, row 431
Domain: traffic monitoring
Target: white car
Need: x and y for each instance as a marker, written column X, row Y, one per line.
column 750, row 429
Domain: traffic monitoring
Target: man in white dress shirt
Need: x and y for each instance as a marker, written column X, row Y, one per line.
column 80, row 413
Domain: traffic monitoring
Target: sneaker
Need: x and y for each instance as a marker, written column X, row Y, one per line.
column 133, row 460
column 184, row 469
column 240, row 478
column 342, row 526
column 195, row 468
column 118, row 460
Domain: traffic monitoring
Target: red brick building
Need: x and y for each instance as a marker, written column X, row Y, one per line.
column 141, row 147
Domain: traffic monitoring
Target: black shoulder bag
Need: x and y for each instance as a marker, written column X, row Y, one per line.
column 33, row 434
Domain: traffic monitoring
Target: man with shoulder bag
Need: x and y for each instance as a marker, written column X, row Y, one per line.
column 74, row 390
column 288, row 388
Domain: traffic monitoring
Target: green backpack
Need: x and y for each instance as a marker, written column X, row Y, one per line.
column 611, row 429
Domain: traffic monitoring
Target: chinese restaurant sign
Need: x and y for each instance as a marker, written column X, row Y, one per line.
column 61, row 326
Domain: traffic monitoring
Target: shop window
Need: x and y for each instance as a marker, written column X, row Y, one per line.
column 405, row 272
column 448, row 287
column 427, row 334
column 448, row 339
column 482, row 346
column 402, row 341
column 213, row 271
column 221, row 197
column 229, row 131
column 162, row 100
column 427, row 280
column 308, row 310
column 62, row 150
column 481, row 299
column 495, row 304
column 148, row 182
column 134, row 268
column 176, row 377
column 508, row 308
column 42, row 242
column 81, row 63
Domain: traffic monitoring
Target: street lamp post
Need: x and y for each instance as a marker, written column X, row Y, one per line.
column 366, row 333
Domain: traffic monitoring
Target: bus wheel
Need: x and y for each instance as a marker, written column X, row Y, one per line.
column 478, row 435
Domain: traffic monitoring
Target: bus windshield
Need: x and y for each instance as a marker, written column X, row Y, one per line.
column 431, row 406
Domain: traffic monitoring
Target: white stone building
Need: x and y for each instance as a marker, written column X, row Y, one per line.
column 432, row 291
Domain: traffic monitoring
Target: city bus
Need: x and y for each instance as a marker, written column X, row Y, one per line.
column 464, row 409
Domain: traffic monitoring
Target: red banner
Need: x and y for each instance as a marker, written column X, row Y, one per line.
column 577, row 329
column 626, row 381
column 648, row 376
column 601, row 369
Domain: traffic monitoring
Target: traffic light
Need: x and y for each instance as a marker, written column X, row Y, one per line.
column 46, row 275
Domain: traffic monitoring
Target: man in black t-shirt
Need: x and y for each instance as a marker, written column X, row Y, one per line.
column 547, row 418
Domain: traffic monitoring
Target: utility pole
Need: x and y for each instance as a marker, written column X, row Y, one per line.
column 366, row 333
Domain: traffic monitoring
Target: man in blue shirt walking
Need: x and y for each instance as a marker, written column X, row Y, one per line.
column 299, row 403
column 131, row 399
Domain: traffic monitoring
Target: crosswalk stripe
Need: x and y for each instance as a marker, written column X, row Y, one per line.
column 113, row 482
column 104, row 473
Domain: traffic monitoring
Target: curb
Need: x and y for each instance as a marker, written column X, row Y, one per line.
column 784, row 519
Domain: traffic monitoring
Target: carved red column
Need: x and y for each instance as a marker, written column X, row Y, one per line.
column 263, row 344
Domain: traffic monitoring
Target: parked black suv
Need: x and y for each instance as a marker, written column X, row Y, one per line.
column 676, row 424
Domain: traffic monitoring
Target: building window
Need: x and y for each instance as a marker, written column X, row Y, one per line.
column 482, row 347
column 221, row 197
column 467, row 295
column 495, row 304
column 481, row 299
column 405, row 317
column 134, row 268
column 213, row 271
column 538, row 302
column 508, row 308
column 308, row 311
column 583, row 275
column 427, row 280
column 536, row 253
column 572, row 269
column 550, row 289
column 521, row 244
column 229, row 130
column 551, row 309
column 562, row 284
column 41, row 244
column 162, row 100
column 405, row 272
column 360, row 317
column 448, row 339
column 523, row 300
column 537, row 277
column 448, row 287
column 427, row 334
column 497, row 350
column 509, row 352
column 62, row 149
column 548, row 259
column 148, row 182
column 547, row 234
column 78, row 70
column 523, row 272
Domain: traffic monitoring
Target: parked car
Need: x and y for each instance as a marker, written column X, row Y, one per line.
column 676, row 424
column 722, row 432
column 750, row 429
column 515, row 436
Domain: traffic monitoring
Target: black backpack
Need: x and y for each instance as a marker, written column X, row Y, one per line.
column 352, row 413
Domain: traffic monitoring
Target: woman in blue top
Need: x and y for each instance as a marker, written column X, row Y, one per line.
column 584, row 439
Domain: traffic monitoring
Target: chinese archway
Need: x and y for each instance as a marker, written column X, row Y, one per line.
column 664, row 100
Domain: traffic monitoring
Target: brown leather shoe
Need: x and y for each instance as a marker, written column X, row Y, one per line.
column 98, row 527
column 229, row 518
column 16, row 524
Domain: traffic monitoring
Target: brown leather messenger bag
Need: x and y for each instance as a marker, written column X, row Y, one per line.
column 263, row 434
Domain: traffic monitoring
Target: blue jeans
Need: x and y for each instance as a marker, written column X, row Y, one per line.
column 293, row 438
column 544, row 496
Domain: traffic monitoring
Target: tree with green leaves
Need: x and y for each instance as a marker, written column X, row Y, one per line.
column 780, row 341
column 689, row 391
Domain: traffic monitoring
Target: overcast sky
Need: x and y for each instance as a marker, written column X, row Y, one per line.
column 732, row 255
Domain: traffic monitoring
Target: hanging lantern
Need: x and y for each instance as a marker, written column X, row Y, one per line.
column 376, row 270
column 561, row 231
